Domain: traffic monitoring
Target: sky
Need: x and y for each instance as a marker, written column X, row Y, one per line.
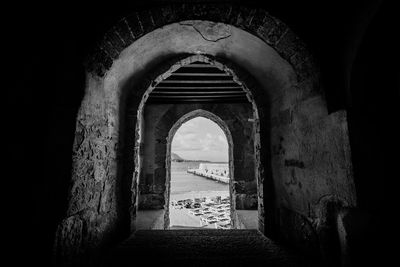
column 200, row 139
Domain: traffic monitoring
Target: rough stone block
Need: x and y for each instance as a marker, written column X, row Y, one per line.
column 244, row 17
column 257, row 20
column 169, row 14
column 106, row 198
column 199, row 11
column 115, row 39
column 135, row 25
column 69, row 239
column 183, row 11
column 157, row 15
column 271, row 30
column 289, row 45
column 109, row 48
column 146, row 20
column 122, row 28
column 233, row 15
column 219, row 12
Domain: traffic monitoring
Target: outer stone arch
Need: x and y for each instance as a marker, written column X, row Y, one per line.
column 254, row 20
column 309, row 156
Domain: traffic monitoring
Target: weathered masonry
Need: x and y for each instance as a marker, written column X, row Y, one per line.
column 290, row 158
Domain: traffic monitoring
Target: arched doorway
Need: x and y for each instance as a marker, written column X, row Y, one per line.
column 201, row 173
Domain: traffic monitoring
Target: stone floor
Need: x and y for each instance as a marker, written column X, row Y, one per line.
column 204, row 247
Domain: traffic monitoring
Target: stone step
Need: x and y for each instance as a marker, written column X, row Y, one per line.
column 205, row 247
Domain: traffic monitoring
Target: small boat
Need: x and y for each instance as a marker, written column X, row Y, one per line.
column 193, row 211
column 211, row 220
column 223, row 226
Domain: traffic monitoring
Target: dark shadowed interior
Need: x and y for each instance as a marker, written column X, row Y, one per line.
column 307, row 94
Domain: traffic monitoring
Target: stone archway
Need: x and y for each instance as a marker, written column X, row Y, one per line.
column 241, row 119
column 191, row 115
column 309, row 156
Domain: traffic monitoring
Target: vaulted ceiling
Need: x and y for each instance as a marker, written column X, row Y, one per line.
column 198, row 82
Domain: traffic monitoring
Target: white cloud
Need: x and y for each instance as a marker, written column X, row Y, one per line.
column 191, row 124
column 222, row 139
column 200, row 138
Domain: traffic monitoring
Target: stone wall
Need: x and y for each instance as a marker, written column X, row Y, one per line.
column 313, row 180
column 93, row 205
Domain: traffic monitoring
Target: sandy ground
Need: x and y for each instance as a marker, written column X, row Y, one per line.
column 198, row 194
column 182, row 218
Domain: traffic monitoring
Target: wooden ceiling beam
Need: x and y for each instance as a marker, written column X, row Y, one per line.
column 159, row 93
column 197, row 88
column 197, row 96
column 199, row 74
column 191, row 101
column 198, row 81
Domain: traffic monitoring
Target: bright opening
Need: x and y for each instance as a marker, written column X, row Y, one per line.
column 199, row 195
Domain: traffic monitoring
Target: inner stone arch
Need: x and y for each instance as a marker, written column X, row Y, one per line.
column 187, row 117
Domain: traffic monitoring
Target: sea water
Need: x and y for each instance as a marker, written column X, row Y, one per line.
column 184, row 183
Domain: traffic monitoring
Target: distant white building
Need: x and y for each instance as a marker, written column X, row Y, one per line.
column 221, row 169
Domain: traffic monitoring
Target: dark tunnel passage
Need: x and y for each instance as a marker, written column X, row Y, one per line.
column 308, row 99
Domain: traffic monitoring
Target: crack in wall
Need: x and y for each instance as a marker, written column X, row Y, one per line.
column 216, row 31
column 210, row 40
